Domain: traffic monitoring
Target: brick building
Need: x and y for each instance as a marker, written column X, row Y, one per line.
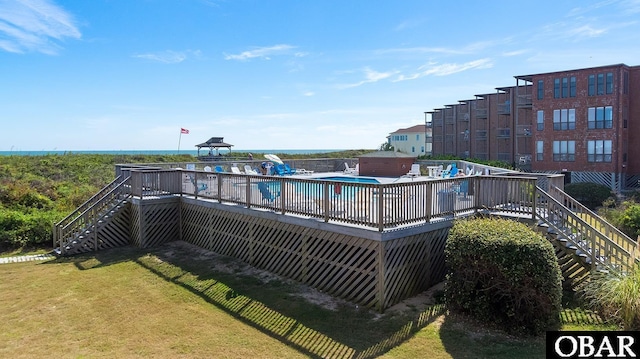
column 583, row 122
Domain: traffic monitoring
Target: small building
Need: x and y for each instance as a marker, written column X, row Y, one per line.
column 415, row 140
column 213, row 144
column 385, row 164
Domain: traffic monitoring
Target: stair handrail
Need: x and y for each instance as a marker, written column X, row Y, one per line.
column 95, row 220
column 595, row 261
column 88, row 203
column 62, row 230
column 628, row 243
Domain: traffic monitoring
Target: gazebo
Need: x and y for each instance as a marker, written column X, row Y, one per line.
column 214, row 143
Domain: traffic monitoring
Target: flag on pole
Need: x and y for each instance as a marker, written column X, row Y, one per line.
column 184, row 130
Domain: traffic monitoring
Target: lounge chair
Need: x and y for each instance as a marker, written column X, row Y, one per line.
column 446, row 172
column 454, row 172
column 463, row 188
column 266, row 193
column 236, row 170
column 288, row 170
column 219, row 169
column 279, row 170
column 250, row 171
column 198, row 186
column 302, row 171
column 350, row 170
column 415, row 171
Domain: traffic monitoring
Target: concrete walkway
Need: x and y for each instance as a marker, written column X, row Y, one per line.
column 29, row 258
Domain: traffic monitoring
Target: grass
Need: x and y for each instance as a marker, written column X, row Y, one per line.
column 174, row 301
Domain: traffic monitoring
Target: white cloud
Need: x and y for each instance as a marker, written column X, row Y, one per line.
column 263, row 53
column 436, row 69
column 408, row 24
column 630, row 7
column 585, row 31
column 34, row 25
column 308, row 93
column 514, row 53
column 168, row 57
column 370, row 77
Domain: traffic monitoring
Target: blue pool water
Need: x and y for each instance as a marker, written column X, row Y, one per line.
column 316, row 190
column 349, row 179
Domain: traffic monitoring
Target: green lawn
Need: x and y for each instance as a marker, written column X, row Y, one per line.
column 175, row 301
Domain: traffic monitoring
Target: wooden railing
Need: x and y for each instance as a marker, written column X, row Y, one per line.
column 594, row 220
column 601, row 250
column 90, row 202
column 90, row 213
column 380, row 206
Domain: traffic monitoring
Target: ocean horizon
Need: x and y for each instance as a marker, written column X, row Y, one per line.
column 157, row 152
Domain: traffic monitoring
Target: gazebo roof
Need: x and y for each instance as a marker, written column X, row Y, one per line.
column 214, row 142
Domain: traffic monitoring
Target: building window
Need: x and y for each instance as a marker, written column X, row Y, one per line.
column 599, row 151
column 625, row 84
column 564, row 151
column 567, row 89
column 540, row 89
column 539, row 150
column 422, row 149
column 413, row 149
column 564, row 119
column 540, row 121
column 600, row 117
column 600, row 84
column 592, row 85
column 417, row 137
column 609, row 83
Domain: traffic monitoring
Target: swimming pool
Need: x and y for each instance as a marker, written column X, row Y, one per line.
column 349, row 179
column 337, row 186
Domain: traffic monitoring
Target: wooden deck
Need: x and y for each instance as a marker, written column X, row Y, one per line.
column 372, row 244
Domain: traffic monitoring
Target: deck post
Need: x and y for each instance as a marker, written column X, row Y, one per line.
column 381, row 208
column 247, row 192
column 533, row 193
column 428, row 198
column 381, row 277
column 325, row 203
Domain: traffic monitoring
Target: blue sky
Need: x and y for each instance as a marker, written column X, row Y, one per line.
column 277, row 74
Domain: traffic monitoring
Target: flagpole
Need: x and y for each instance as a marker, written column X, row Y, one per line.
column 179, row 139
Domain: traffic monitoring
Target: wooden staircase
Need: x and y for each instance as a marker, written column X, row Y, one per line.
column 583, row 241
column 99, row 223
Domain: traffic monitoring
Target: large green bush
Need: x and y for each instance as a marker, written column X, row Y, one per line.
column 589, row 194
column 502, row 272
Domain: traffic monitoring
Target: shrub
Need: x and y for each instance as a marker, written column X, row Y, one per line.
column 30, row 229
column 626, row 217
column 616, row 296
column 500, row 271
column 590, row 194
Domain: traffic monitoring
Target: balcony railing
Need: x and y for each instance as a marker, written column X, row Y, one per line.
column 481, row 113
column 504, row 108
column 524, row 101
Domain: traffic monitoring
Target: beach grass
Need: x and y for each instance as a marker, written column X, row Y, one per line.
column 178, row 301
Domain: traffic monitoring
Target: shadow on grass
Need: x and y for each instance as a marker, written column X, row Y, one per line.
column 459, row 332
column 273, row 306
